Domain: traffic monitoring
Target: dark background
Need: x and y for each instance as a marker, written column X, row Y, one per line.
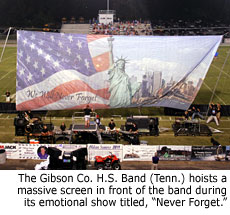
column 28, row 13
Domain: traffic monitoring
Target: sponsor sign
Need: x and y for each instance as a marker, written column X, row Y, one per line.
column 209, row 152
column 138, row 153
column 174, row 152
column 12, row 150
column 104, row 150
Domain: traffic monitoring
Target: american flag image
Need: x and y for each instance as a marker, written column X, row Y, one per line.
column 58, row 71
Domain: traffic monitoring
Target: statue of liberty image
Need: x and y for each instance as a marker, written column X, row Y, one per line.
column 121, row 89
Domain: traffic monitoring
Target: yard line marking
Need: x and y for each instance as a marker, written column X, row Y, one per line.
column 7, row 74
column 221, row 70
column 9, row 57
column 214, row 93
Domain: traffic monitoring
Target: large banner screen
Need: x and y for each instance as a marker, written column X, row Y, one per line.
column 67, row 71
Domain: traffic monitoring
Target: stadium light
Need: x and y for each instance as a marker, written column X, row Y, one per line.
column 107, row 5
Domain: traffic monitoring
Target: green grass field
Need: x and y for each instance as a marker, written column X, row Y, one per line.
column 8, row 73
column 222, row 95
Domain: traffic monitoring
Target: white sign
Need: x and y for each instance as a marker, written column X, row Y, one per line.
column 12, row 150
column 29, row 151
column 123, row 152
column 33, row 151
column 138, row 153
column 105, row 18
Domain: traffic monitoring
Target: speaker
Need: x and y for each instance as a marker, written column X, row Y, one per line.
column 154, row 121
column 67, row 160
column 153, row 126
column 140, row 122
column 19, row 130
column 80, row 153
column 54, row 152
column 143, row 123
column 55, row 162
column 20, row 122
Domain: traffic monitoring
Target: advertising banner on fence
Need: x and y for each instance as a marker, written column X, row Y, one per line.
column 104, row 150
column 174, row 152
column 35, row 151
column 210, row 152
column 12, row 150
column 138, row 153
column 67, row 71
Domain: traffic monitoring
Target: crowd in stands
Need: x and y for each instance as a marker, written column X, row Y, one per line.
column 122, row 28
column 160, row 27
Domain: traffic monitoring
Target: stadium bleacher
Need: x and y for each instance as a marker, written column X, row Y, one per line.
column 155, row 27
column 75, row 28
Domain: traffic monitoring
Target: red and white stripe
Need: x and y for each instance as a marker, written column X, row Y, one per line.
column 71, row 82
column 99, row 51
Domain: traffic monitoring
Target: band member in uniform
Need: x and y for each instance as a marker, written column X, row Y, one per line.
column 27, row 117
column 112, row 125
column 63, row 127
column 213, row 113
column 134, row 129
column 196, row 112
column 7, row 96
column 186, row 114
column 134, row 138
column 30, row 117
column 45, row 130
column 98, row 120
column 87, row 112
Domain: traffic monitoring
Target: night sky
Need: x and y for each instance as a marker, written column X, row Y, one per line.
column 37, row 13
